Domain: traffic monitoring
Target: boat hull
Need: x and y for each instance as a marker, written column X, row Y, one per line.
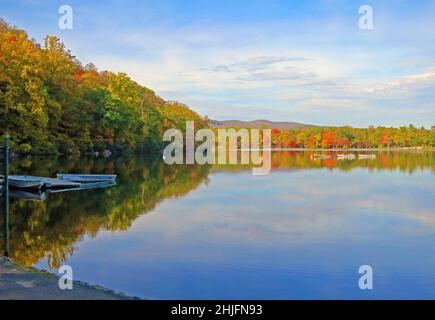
column 86, row 178
column 28, row 182
column 24, row 182
column 370, row 157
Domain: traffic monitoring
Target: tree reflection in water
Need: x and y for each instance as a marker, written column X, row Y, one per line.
column 50, row 229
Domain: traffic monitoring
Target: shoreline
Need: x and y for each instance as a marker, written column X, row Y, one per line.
column 344, row 150
column 27, row 283
column 156, row 153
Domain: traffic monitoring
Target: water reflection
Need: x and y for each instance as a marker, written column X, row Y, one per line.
column 50, row 228
column 294, row 160
column 233, row 221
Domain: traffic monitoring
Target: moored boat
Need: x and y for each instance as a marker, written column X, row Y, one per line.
column 86, row 186
column 321, row 156
column 26, row 195
column 25, row 182
column 51, row 183
column 84, row 178
column 350, row 156
column 30, row 182
column 366, row 156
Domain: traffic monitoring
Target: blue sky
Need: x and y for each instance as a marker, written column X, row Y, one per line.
column 304, row 61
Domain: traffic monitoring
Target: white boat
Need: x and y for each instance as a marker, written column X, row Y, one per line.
column 86, row 186
column 366, row 156
column 350, row 156
column 321, row 156
column 86, row 177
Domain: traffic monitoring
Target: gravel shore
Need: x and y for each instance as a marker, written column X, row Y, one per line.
column 21, row 283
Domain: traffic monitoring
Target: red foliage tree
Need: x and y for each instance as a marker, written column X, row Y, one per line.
column 328, row 139
column 384, row 139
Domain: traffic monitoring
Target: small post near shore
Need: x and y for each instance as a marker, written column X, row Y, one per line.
column 4, row 161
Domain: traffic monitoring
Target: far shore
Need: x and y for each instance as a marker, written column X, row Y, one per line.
column 409, row 149
column 346, row 149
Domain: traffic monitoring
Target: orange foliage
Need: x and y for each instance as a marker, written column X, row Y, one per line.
column 384, row 138
column 78, row 75
column 328, row 139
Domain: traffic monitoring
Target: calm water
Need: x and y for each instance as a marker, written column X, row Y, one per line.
column 199, row 232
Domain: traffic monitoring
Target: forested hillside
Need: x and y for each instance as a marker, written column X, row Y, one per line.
column 50, row 103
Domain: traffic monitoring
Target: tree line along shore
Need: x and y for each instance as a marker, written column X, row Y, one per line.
column 330, row 138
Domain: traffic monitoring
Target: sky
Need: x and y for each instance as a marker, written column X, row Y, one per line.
column 303, row 61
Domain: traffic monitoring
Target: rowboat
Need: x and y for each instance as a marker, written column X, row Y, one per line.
column 30, row 182
column 97, row 185
column 346, row 156
column 26, row 182
column 321, row 156
column 366, row 156
column 25, row 195
column 50, row 183
column 84, row 178
column 86, row 186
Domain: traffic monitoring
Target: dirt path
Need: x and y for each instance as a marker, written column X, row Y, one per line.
column 19, row 283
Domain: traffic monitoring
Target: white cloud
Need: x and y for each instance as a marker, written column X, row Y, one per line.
column 298, row 71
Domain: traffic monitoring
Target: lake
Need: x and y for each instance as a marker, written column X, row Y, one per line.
column 218, row 232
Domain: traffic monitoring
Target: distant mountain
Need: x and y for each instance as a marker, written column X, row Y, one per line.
column 258, row 124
